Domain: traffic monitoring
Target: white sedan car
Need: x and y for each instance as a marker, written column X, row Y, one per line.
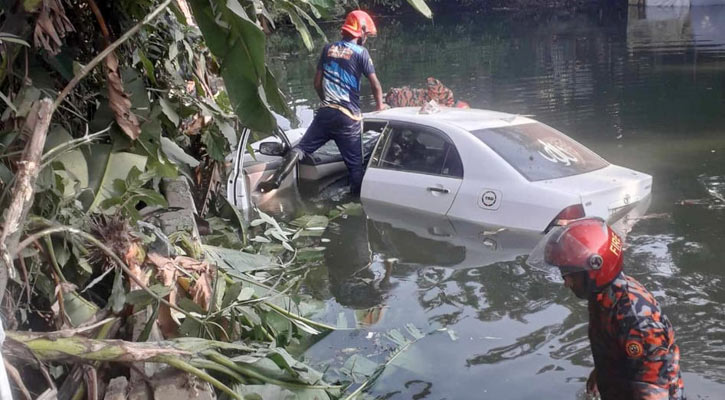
column 480, row 166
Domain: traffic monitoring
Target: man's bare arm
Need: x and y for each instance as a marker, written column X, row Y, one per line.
column 318, row 85
column 377, row 91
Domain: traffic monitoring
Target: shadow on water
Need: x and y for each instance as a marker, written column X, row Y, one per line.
column 646, row 90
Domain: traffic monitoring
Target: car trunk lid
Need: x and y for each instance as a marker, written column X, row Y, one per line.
column 607, row 192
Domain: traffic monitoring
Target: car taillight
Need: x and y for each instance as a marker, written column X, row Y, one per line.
column 567, row 215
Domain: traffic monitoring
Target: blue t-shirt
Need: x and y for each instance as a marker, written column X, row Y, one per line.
column 341, row 64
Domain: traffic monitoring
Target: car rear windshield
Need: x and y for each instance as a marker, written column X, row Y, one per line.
column 540, row 152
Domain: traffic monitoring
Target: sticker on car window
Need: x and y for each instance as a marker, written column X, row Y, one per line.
column 556, row 153
column 490, row 199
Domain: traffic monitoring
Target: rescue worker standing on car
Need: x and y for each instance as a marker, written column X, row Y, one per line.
column 632, row 342
column 337, row 83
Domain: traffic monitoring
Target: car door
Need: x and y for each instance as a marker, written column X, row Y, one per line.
column 248, row 170
column 414, row 166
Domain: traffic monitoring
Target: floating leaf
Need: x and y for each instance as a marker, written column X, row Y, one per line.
column 287, row 246
column 260, row 239
column 236, row 260
column 311, row 221
column 353, row 209
column 341, row 320
column 397, row 337
column 310, row 254
column 415, row 332
column 268, row 219
column 269, row 391
column 359, row 365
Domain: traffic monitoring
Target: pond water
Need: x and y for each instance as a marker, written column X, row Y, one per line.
column 644, row 88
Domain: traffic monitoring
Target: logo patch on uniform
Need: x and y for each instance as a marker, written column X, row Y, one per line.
column 634, row 349
column 339, row 52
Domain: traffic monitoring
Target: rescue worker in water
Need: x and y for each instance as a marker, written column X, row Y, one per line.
column 337, row 82
column 632, row 342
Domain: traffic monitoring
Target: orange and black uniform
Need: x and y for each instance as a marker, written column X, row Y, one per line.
column 633, row 344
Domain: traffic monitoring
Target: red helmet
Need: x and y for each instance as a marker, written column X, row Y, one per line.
column 587, row 244
column 359, row 23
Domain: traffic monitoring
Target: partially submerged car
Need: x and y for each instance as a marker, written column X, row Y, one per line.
column 480, row 166
column 414, row 237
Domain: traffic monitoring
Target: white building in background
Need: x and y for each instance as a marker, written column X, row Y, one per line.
column 677, row 27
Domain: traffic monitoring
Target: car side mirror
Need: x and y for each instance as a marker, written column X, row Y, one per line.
column 272, row 149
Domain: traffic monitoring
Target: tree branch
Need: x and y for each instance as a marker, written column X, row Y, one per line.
column 108, row 50
column 73, row 231
column 15, row 375
column 23, row 189
column 47, row 346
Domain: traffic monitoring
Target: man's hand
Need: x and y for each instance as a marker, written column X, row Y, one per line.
column 592, row 383
column 377, row 91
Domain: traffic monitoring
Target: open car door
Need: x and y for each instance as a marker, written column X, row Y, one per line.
column 322, row 167
column 248, row 169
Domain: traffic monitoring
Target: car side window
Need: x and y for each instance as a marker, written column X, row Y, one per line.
column 420, row 150
column 452, row 166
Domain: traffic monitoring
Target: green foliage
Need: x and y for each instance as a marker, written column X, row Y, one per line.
column 235, row 37
column 130, row 192
column 421, row 7
column 192, row 89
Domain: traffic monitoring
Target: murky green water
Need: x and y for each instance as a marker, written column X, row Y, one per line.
column 646, row 90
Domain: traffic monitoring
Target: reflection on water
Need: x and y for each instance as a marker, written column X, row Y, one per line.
column 646, row 90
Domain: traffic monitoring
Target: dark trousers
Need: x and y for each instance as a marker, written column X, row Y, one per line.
column 333, row 124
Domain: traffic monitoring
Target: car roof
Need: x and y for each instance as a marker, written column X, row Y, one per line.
column 468, row 119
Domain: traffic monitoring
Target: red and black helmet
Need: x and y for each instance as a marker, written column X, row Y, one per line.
column 359, row 23
column 587, row 244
